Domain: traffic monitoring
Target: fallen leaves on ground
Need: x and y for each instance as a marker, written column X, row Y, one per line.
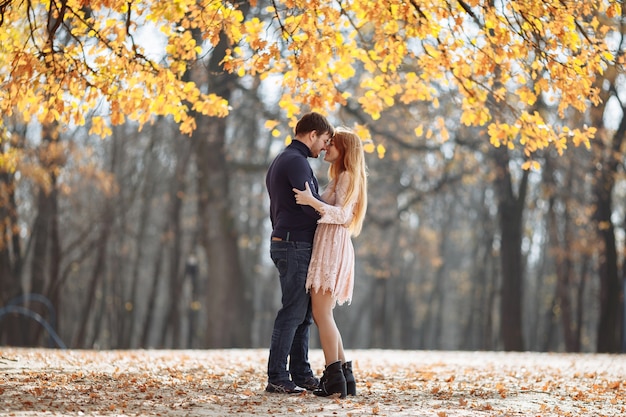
column 231, row 382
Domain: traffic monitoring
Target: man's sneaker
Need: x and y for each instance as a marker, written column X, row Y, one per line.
column 310, row 383
column 284, row 388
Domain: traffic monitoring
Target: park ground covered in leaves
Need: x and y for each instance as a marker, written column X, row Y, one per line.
column 39, row 382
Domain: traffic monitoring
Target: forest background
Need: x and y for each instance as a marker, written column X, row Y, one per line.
column 135, row 137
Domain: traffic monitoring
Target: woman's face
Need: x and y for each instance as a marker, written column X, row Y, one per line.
column 332, row 153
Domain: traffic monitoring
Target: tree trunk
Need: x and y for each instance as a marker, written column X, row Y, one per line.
column 562, row 257
column 491, row 296
column 152, row 295
column 609, row 326
column 476, row 316
column 145, row 215
column 611, row 302
column 580, row 295
column 510, row 214
column 379, row 316
column 173, row 325
column 10, row 258
column 608, row 154
column 434, row 318
column 46, row 254
column 228, row 305
column 99, row 267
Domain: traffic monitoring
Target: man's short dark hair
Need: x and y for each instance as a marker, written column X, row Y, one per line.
column 314, row 122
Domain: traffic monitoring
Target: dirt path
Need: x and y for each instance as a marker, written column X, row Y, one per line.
column 39, row 382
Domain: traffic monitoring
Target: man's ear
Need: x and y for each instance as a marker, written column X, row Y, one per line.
column 310, row 137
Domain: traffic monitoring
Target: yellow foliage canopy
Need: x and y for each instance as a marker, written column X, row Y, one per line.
column 59, row 61
column 75, row 54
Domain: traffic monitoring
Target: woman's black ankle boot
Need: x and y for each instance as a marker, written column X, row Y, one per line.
column 350, row 381
column 332, row 381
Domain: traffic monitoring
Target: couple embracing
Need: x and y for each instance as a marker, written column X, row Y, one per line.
column 312, row 249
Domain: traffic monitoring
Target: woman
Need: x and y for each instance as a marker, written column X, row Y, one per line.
column 330, row 279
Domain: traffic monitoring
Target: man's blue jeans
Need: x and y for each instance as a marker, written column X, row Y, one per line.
column 290, row 336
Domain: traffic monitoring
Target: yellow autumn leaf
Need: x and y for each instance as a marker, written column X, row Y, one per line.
column 362, row 132
column 271, row 124
column 530, row 164
column 380, row 149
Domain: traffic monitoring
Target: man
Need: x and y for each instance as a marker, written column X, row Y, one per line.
column 292, row 241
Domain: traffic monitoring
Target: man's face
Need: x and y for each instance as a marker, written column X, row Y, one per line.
column 319, row 143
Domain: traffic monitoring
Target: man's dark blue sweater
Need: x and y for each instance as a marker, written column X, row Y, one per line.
column 290, row 169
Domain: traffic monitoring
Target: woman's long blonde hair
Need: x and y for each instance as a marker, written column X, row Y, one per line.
column 351, row 159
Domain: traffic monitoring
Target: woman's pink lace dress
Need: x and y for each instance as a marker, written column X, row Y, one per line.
column 332, row 260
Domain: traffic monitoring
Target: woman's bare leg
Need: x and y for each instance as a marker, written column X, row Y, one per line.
column 330, row 338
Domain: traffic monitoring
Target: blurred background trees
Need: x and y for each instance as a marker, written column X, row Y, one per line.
column 487, row 229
